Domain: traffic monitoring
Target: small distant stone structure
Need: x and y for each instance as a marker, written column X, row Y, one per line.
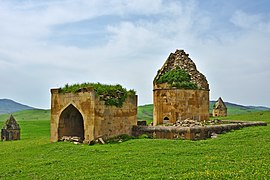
column 173, row 103
column 84, row 116
column 219, row 108
column 11, row 130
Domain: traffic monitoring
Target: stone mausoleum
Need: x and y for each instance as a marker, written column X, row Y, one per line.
column 219, row 108
column 11, row 130
column 180, row 91
column 86, row 115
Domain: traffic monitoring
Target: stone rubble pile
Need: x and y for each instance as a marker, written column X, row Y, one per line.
column 74, row 139
column 188, row 123
column 192, row 123
column 213, row 122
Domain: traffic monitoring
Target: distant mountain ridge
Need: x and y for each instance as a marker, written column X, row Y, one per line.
column 10, row 106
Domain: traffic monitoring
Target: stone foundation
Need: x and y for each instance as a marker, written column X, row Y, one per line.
column 191, row 133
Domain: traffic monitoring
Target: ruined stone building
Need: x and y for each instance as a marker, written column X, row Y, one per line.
column 219, row 108
column 85, row 114
column 10, row 130
column 180, row 91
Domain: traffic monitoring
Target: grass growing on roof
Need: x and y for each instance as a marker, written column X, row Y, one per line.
column 178, row 78
column 113, row 95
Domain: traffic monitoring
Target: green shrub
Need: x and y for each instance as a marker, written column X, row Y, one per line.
column 143, row 136
column 185, row 85
column 113, row 95
column 178, row 78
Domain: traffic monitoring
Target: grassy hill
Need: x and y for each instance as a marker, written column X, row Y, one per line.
column 241, row 154
column 10, row 106
column 28, row 115
column 145, row 112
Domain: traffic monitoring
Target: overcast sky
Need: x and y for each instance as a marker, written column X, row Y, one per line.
column 46, row 44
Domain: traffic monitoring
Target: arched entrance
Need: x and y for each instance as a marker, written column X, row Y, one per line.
column 71, row 123
column 166, row 120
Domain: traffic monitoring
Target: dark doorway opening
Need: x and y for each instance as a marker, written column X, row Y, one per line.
column 71, row 123
column 166, row 120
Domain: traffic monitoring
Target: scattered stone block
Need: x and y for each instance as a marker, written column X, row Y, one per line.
column 101, row 140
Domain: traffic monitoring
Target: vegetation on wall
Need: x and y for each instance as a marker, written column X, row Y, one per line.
column 178, row 78
column 113, row 95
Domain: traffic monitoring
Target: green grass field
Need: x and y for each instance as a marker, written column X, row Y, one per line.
column 241, row 154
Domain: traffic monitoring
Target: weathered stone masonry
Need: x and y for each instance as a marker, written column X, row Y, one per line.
column 172, row 104
column 11, row 130
column 219, row 108
column 84, row 115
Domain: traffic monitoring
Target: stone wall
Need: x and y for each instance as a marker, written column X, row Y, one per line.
column 111, row 121
column 82, row 114
column 180, row 104
column 10, row 135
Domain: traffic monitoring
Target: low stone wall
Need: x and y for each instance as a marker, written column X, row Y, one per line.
column 192, row 133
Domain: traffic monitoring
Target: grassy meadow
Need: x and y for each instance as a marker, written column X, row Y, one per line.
column 241, row 154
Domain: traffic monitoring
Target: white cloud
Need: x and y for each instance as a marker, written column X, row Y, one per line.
column 137, row 43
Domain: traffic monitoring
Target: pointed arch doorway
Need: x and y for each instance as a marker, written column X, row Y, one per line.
column 166, row 120
column 71, row 123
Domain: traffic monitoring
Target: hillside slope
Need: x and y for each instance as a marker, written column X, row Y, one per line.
column 10, row 106
column 28, row 115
